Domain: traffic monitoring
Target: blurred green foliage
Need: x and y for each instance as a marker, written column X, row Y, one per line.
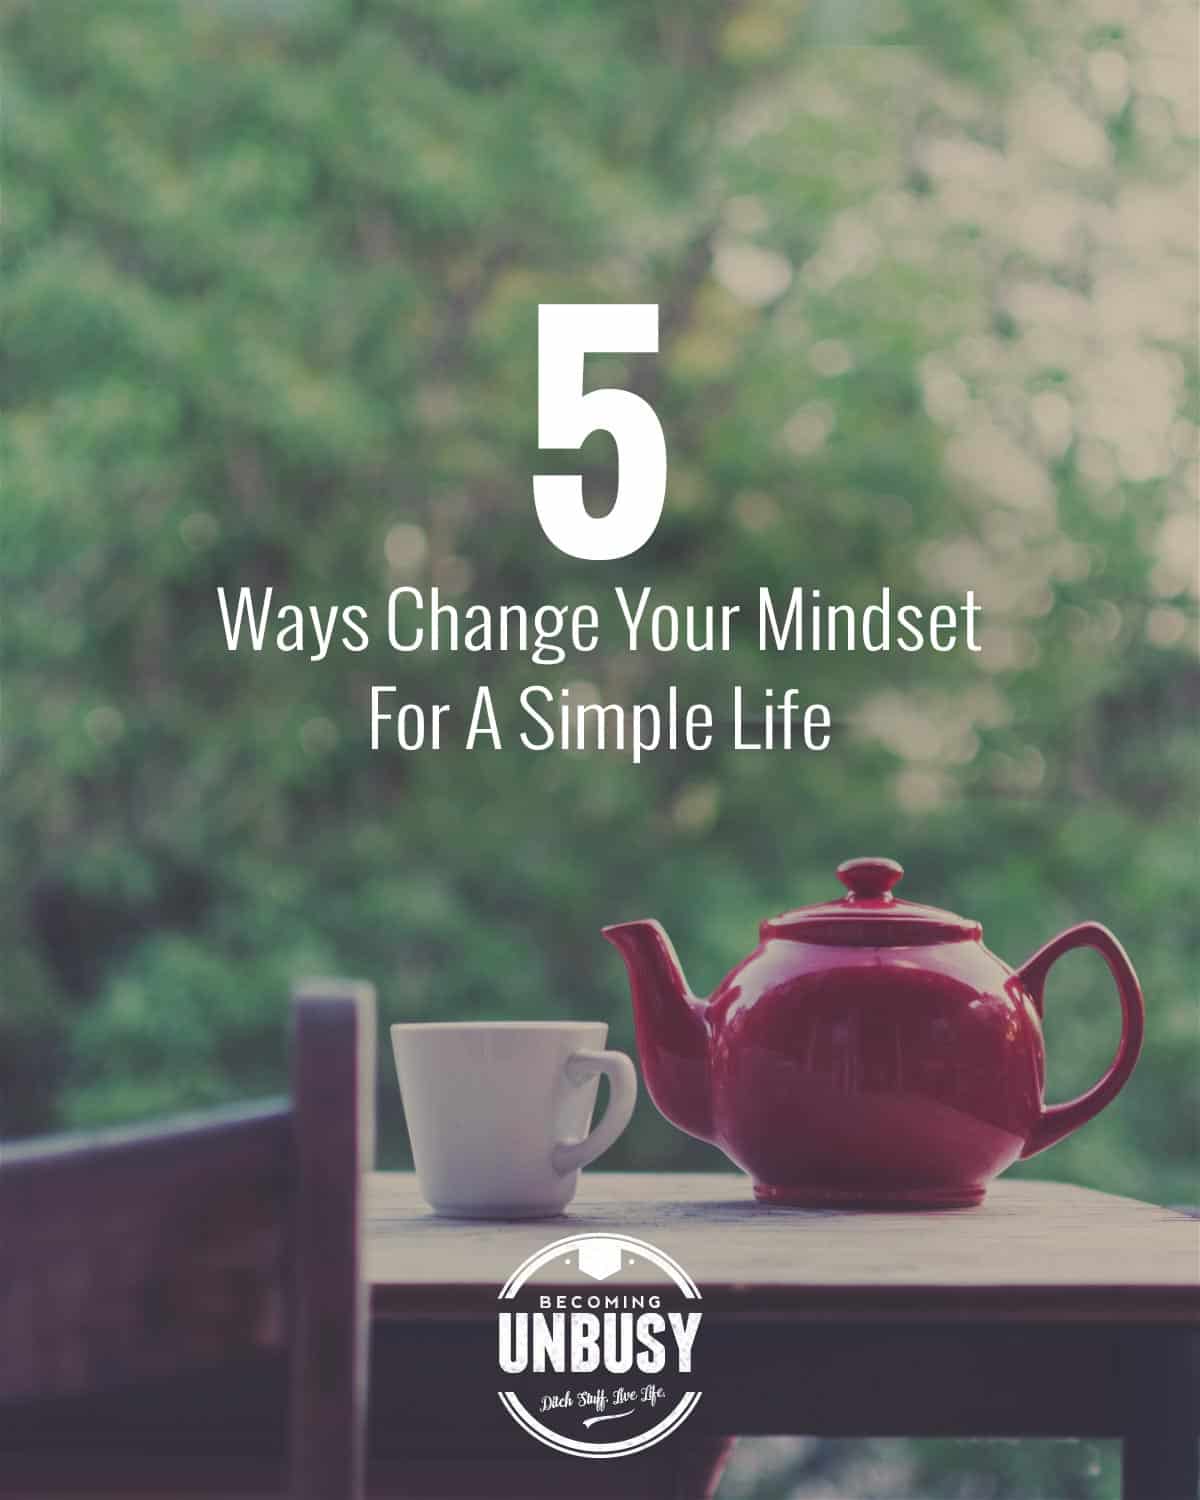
column 273, row 272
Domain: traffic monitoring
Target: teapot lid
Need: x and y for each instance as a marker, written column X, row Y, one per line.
column 869, row 916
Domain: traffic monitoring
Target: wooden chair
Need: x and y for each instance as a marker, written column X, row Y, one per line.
column 182, row 1307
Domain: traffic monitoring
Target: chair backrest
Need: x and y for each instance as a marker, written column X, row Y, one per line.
column 130, row 1255
column 333, row 1099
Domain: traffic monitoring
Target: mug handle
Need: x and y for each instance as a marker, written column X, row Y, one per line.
column 568, row 1156
column 1058, row 1120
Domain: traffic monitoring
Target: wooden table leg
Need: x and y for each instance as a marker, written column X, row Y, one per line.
column 1160, row 1465
column 686, row 1468
column 1160, row 1451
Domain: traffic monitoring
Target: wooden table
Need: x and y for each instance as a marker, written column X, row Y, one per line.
column 1049, row 1311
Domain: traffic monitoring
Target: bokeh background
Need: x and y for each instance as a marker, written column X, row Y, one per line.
column 927, row 280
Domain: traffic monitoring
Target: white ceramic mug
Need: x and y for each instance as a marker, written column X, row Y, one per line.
column 499, row 1111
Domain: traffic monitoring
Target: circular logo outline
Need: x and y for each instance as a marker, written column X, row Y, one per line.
column 624, row 1447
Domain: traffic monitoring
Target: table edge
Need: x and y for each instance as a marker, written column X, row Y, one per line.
column 584, row 1203
column 1116, row 1305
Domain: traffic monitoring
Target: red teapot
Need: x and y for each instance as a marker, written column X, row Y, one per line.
column 870, row 1052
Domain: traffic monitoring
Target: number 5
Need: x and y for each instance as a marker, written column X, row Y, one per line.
column 566, row 415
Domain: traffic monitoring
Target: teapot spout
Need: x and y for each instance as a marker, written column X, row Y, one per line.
column 672, row 1034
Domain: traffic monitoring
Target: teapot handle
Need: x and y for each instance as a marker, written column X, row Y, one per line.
column 1058, row 1120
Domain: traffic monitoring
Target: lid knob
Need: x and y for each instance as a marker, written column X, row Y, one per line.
column 870, row 879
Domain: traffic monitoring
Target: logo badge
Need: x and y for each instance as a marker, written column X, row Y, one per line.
column 597, row 1338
